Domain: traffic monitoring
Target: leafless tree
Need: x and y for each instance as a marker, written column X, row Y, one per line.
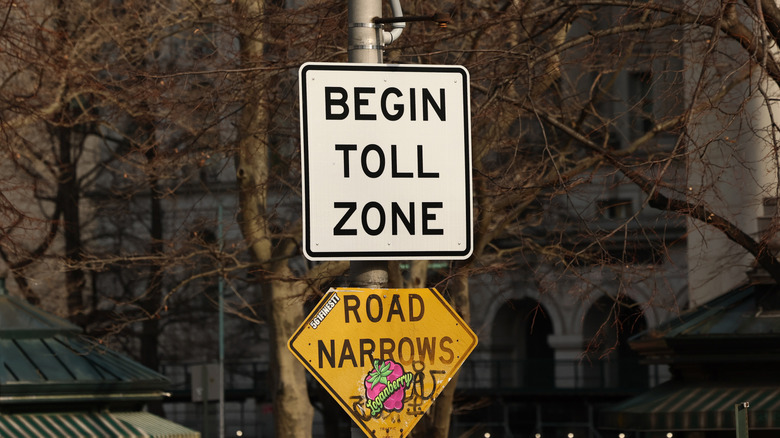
column 114, row 115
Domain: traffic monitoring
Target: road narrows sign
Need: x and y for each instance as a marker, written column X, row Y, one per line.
column 386, row 161
column 383, row 354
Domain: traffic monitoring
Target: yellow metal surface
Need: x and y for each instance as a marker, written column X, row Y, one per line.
column 383, row 354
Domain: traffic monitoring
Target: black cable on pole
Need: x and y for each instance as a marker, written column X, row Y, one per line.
column 441, row 18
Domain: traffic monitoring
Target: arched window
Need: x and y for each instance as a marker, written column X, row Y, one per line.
column 522, row 356
column 607, row 326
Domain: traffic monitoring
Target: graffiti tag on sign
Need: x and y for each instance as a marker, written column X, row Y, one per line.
column 383, row 354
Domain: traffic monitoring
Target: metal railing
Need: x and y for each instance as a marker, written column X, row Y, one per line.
column 549, row 374
column 250, row 379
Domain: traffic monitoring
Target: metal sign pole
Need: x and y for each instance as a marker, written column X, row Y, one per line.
column 741, row 413
column 365, row 45
column 221, row 287
column 365, row 36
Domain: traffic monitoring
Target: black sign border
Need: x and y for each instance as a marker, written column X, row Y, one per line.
column 312, row 254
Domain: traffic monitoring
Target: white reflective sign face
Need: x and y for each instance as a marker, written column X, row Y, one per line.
column 386, row 156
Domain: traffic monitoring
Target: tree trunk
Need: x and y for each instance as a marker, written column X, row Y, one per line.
column 418, row 274
column 68, row 197
column 150, row 327
column 293, row 412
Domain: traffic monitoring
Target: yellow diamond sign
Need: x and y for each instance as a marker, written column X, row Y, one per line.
column 383, row 354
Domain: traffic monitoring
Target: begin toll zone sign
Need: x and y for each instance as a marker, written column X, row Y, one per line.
column 386, row 161
column 383, row 354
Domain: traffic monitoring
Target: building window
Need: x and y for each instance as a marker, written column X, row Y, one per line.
column 640, row 100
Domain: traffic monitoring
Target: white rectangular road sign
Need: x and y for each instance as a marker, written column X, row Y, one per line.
column 386, row 153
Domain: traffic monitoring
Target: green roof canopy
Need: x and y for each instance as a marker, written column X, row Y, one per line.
column 47, row 365
column 723, row 353
column 45, row 359
column 747, row 319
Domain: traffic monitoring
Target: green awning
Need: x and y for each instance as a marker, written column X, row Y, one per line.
column 155, row 426
column 705, row 406
column 91, row 425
